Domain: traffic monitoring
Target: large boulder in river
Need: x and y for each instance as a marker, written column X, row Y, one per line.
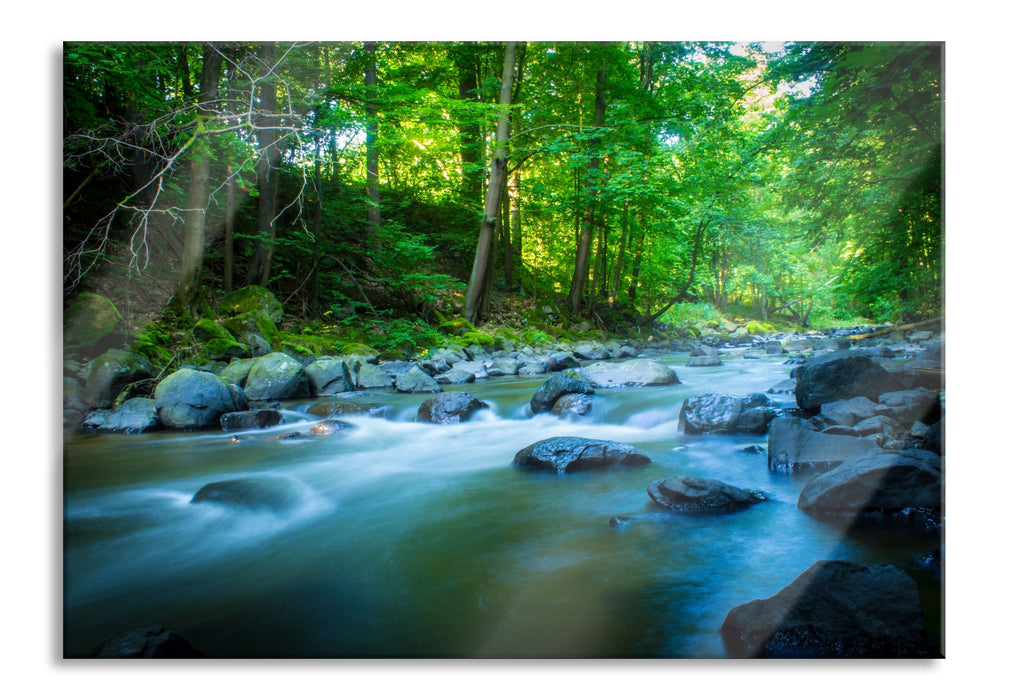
column 136, row 415
column 449, row 407
column 835, row 609
column 719, row 413
column 848, row 411
column 793, row 446
column 911, row 405
column 566, row 382
column 571, row 405
column 328, row 376
column 276, row 376
column 188, row 399
column 901, row 485
column 694, row 494
column 571, row 454
column 113, row 371
column 639, row 372
column 842, row 375
column 254, row 492
column 154, row 642
column 371, row 376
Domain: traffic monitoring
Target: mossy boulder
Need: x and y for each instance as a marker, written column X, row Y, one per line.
column 277, row 376
column 482, row 340
column 111, row 372
column 252, row 299
column 217, row 341
column 188, row 399
column 759, row 328
column 254, row 322
column 456, row 326
column 92, row 322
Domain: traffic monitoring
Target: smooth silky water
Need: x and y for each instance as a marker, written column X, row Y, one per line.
column 422, row 541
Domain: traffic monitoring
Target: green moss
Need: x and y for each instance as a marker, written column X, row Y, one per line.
column 477, row 338
column 759, row 328
column 456, row 326
column 217, row 340
column 307, row 344
column 255, row 321
column 536, row 337
column 358, row 349
column 89, row 320
column 252, row 299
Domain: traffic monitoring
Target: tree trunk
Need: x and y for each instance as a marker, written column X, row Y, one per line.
column 374, row 202
column 313, row 290
column 619, row 264
column 229, row 231
column 266, row 170
column 516, row 229
column 632, row 288
column 467, row 60
column 499, row 165
column 592, row 177
column 196, row 204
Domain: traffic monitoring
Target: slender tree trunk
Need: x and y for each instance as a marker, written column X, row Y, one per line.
column 196, row 204
column 632, row 288
column 619, row 264
column 471, row 154
column 499, row 165
column 506, row 242
column 516, row 228
column 229, row 230
column 592, row 177
column 313, row 290
column 374, row 213
column 266, row 170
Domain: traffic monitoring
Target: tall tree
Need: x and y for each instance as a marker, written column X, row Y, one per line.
column 374, row 200
column 267, row 172
column 499, row 166
column 199, row 174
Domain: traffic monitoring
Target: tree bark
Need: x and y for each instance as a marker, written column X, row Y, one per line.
column 619, row 264
column 266, row 171
column 499, row 165
column 196, row 200
column 229, row 231
column 466, row 61
column 592, row 177
column 374, row 200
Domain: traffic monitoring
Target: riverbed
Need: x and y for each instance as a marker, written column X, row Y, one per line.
column 411, row 540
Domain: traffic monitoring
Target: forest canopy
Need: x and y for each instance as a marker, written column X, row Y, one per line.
column 427, row 183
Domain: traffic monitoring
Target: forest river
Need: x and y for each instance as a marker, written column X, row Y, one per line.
column 413, row 540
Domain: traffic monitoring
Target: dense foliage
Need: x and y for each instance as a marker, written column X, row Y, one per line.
column 803, row 183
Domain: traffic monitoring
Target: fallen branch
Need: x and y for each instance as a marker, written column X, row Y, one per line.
column 897, row 329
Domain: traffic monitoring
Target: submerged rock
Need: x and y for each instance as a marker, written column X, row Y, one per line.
column 638, row 372
column 255, row 492
column 257, row 418
column 694, row 494
column 146, row 643
column 449, row 408
column 835, row 609
column 570, row 454
column 331, row 426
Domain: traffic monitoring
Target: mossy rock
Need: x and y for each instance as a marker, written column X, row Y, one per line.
column 536, row 337
column 153, row 343
column 92, row 321
column 759, row 328
column 484, row 340
column 359, row 349
column 255, row 321
column 456, row 326
column 218, row 342
column 306, row 344
column 250, row 299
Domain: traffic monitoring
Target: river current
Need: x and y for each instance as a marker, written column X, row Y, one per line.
column 411, row 540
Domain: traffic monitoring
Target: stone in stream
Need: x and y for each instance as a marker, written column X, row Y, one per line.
column 705, row 361
column 566, row 382
column 328, row 376
column 835, row 609
column 254, row 492
column 188, row 399
column 694, row 494
column 276, row 376
column 843, row 375
column 719, row 413
column 111, row 372
column 416, row 381
column 903, row 487
column 570, row 454
column 154, row 642
column 638, row 372
column 793, row 446
column 331, row 426
column 138, row 415
column 572, row 405
column 449, row 408
column 256, row 418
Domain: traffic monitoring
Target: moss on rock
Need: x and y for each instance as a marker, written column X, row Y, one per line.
column 91, row 321
column 250, row 299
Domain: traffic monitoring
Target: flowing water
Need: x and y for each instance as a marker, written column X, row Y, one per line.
column 417, row 540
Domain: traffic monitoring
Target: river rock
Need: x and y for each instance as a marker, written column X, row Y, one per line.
column 638, row 372
column 154, row 642
column 92, row 323
column 456, row 375
column 559, row 361
column 566, row 382
column 531, row 366
column 475, row 367
column 331, row 426
column 842, row 375
column 884, row 426
column 572, row 405
column 571, row 454
column 935, row 438
column 331, row 408
column 450, row 407
column 702, row 350
column 252, row 298
column 887, row 484
column 704, row 361
column 503, row 367
column 276, row 376
column 237, row 371
column 694, row 494
column 590, row 351
column 719, row 413
column 835, row 609
column 255, row 492
column 254, row 419
column 137, row 415
column 188, row 399
column 910, row 405
column 328, row 376
column 848, row 411
column 793, row 446
column 111, row 372
column 416, row 381
column 785, row 386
